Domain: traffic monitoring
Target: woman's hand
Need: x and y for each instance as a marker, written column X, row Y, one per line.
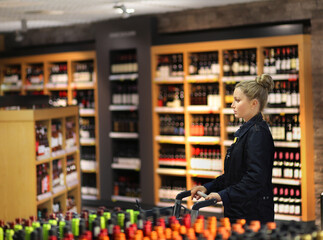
column 194, row 191
column 214, row 195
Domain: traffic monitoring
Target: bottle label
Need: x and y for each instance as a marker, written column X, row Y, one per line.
column 276, row 207
column 286, row 207
column 293, row 63
column 297, row 64
column 287, row 65
column 289, row 136
column 282, row 133
column 253, row 69
column 60, row 139
column 235, row 67
column 289, row 100
column 283, row 98
column 292, row 209
column 296, row 173
column 283, row 65
column 281, row 208
column 272, row 69
column 271, row 98
column 54, row 142
column 278, row 98
column 226, row 68
column 294, row 99
column 297, row 210
column 41, row 149
column 278, row 67
column 191, row 69
column 214, row 68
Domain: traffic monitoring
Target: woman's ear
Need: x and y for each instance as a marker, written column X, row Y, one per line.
column 254, row 103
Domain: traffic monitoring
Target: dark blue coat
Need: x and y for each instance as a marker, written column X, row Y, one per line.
column 245, row 187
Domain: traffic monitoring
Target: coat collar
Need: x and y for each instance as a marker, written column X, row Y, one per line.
column 245, row 127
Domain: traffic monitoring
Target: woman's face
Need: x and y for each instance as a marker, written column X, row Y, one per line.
column 242, row 106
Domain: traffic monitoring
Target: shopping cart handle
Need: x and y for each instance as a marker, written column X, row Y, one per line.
column 205, row 203
column 182, row 195
column 201, row 194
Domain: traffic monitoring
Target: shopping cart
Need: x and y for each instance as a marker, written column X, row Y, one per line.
column 178, row 210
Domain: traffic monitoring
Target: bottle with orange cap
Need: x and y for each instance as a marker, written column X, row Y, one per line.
column 212, row 225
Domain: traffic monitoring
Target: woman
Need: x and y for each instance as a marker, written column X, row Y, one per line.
column 245, row 188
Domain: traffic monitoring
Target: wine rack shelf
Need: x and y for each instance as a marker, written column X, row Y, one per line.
column 35, row 182
column 200, row 77
column 69, row 79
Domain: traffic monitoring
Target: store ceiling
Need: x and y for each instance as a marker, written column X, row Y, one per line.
column 17, row 15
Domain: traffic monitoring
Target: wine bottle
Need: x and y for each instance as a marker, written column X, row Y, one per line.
column 272, row 62
column 226, row 64
column 235, row 63
column 266, row 62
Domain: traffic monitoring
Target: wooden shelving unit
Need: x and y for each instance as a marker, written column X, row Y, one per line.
column 19, row 162
column 77, row 81
column 124, row 135
column 305, row 111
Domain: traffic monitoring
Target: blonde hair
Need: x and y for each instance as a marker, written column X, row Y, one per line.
column 257, row 89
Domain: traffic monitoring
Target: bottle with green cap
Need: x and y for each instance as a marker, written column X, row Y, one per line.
column 92, row 217
column 136, row 213
column 75, row 226
column 121, row 217
column 131, row 215
column 28, row 229
column 46, row 228
column 100, row 215
column 61, row 228
column 52, row 219
column 9, row 234
column 1, row 233
column 18, row 225
column 107, row 216
column 35, row 224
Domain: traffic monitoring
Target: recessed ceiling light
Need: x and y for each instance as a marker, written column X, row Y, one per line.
column 130, row 10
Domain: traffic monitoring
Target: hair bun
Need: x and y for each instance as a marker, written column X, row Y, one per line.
column 266, row 81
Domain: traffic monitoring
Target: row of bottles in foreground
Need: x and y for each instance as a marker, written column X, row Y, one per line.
column 129, row 224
